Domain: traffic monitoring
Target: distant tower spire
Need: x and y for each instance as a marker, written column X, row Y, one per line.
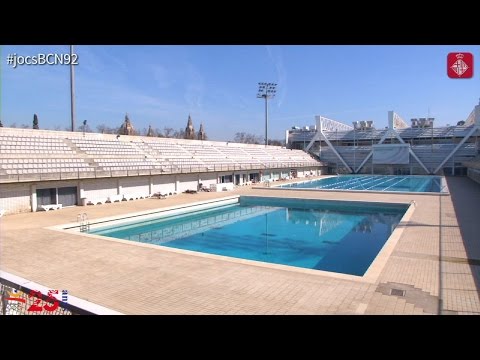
column 150, row 132
column 35, row 122
column 189, row 130
column 127, row 127
column 201, row 133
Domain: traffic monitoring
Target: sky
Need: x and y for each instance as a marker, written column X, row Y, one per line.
column 218, row 84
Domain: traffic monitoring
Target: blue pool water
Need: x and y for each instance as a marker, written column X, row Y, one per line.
column 314, row 234
column 373, row 183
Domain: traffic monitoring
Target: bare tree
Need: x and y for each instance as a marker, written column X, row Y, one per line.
column 57, row 128
column 276, row 142
column 101, row 128
column 24, row 126
column 179, row 134
column 13, row 125
column 104, row 129
column 87, row 128
column 247, row 138
column 168, row 132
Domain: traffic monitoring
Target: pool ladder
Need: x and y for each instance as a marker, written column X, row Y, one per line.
column 84, row 223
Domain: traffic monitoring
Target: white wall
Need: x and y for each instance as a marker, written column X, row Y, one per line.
column 99, row 188
column 135, row 185
column 15, row 198
column 208, row 178
column 187, row 182
column 163, row 183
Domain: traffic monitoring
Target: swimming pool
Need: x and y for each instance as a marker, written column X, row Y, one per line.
column 343, row 237
column 431, row 184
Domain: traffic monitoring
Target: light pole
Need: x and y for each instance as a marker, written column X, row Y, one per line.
column 354, row 150
column 72, row 89
column 266, row 91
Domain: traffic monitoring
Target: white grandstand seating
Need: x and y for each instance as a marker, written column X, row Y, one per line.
column 26, row 154
column 105, row 147
column 431, row 156
column 407, row 133
column 33, row 144
column 34, row 166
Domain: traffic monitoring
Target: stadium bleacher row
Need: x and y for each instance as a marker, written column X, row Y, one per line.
column 430, row 155
column 376, row 134
column 23, row 152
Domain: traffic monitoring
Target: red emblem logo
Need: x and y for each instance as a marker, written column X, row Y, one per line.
column 460, row 65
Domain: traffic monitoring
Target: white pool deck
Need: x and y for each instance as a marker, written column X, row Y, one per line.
column 435, row 259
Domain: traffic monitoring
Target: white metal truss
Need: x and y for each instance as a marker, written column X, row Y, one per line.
column 316, row 137
column 331, row 125
column 470, row 119
column 398, row 122
column 473, row 119
column 411, row 152
column 324, row 123
column 393, row 118
column 335, row 151
column 395, row 122
column 371, row 151
column 459, row 145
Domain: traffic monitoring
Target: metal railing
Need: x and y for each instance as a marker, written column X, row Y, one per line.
column 165, row 170
column 16, row 299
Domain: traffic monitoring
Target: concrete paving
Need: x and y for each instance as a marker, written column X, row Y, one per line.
column 436, row 262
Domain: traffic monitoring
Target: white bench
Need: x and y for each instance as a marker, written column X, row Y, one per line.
column 51, row 207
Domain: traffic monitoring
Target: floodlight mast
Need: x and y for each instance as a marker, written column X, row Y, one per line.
column 72, row 89
column 266, row 91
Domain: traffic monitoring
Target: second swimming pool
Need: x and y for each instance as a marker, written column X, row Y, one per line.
column 382, row 183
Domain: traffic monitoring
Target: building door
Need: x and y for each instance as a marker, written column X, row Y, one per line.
column 46, row 196
column 67, row 196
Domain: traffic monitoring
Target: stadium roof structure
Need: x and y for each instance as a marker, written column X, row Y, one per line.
column 328, row 130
